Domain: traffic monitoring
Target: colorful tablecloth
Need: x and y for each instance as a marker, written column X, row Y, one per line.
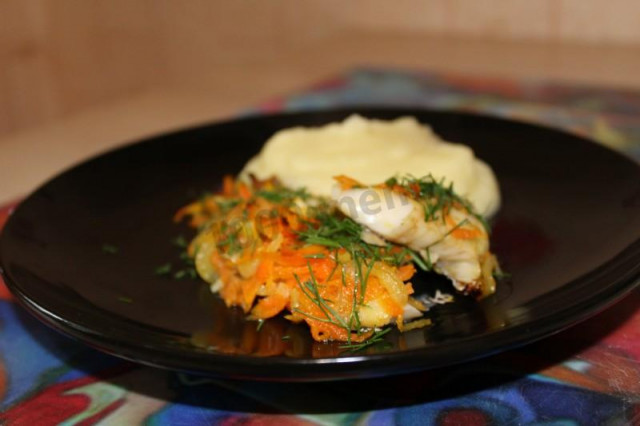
column 589, row 374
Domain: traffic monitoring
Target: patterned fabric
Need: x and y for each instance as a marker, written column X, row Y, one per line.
column 588, row 374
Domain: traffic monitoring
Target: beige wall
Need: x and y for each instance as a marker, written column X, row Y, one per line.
column 592, row 21
column 58, row 57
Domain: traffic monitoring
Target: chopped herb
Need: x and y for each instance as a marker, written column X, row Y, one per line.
column 391, row 182
column 310, row 289
column 335, row 266
column 435, row 196
column 315, row 256
column 420, row 261
column 226, row 205
column 501, row 275
column 185, row 273
column 109, row 249
column 180, row 241
column 282, row 194
column 429, row 262
column 341, row 232
column 332, row 231
column 231, row 241
column 205, row 194
column 371, row 341
column 260, row 324
column 184, row 256
column 125, row 299
column 286, row 337
column 163, row 269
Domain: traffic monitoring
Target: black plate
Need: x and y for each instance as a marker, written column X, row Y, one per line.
column 568, row 233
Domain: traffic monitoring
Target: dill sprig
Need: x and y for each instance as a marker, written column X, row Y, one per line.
column 310, row 289
column 163, row 269
column 281, row 194
column 338, row 232
column 188, row 272
column 332, row 230
column 231, row 241
column 376, row 338
column 180, row 241
column 499, row 274
column 226, row 204
column 422, row 264
column 435, row 196
column 110, row 249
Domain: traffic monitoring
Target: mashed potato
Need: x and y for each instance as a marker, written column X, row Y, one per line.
column 371, row 151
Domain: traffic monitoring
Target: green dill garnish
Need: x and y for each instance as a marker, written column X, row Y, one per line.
column 499, row 274
column 429, row 262
column 315, row 256
column 180, row 241
column 391, row 182
column 335, row 266
column 425, row 266
column 163, row 269
column 186, row 258
column 333, row 231
column 310, row 289
column 341, row 232
column 204, row 195
column 230, row 242
column 125, row 299
column 286, row 337
column 282, row 194
column 435, row 196
column 371, row 341
column 188, row 272
column 226, row 205
column 337, row 231
column 180, row 274
column 109, row 249
column 260, row 324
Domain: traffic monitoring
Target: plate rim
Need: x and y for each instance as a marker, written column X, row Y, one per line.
column 596, row 303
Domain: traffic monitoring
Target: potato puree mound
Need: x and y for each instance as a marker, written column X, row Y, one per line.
column 371, row 151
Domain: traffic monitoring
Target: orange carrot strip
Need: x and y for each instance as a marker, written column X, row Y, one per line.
column 463, row 233
column 228, row 184
column 346, row 182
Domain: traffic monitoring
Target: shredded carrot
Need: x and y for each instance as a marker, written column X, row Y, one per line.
column 266, row 269
column 228, row 185
column 346, row 182
column 267, row 255
column 463, row 232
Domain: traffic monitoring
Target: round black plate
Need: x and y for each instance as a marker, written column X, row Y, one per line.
column 568, row 233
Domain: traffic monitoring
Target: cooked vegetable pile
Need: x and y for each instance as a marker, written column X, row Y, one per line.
column 342, row 265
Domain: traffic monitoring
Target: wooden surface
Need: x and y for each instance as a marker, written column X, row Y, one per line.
column 590, row 21
column 58, row 58
column 61, row 57
column 29, row 157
